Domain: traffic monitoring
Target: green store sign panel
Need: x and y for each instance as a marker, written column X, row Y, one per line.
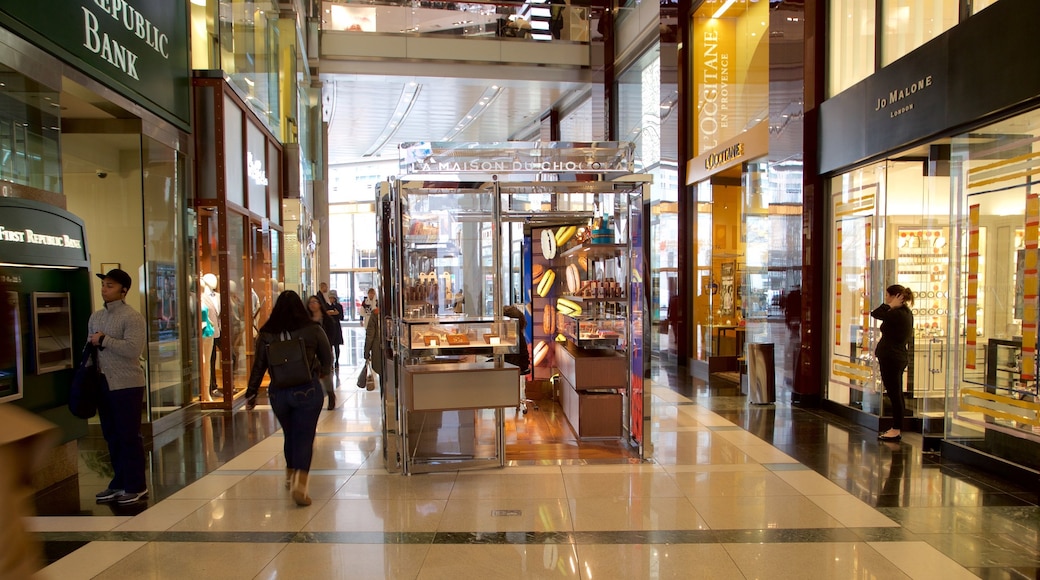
column 137, row 47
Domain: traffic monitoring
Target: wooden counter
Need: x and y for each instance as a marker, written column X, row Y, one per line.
column 590, row 395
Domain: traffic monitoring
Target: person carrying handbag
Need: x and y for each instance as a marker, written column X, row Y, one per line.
column 297, row 407
column 119, row 332
column 373, row 352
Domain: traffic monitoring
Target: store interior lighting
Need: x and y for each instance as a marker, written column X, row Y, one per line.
column 722, row 9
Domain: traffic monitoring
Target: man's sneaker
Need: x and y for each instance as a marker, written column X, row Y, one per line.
column 108, row 494
column 131, row 497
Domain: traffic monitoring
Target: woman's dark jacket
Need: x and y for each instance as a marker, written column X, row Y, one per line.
column 897, row 330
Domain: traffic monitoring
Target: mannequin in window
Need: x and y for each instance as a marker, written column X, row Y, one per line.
column 210, row 301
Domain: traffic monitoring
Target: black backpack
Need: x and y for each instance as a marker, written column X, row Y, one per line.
column 288, row 363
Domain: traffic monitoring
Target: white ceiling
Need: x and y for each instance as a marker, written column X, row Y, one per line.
column 360, row 108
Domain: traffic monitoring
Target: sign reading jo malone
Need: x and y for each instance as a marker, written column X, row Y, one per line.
column 896, row 98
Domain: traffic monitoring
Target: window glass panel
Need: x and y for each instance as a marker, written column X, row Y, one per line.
column 911, row 23
column 978, row 5
column 234, row 159
column 165, row 281
column 851, row 38
column 29, row 133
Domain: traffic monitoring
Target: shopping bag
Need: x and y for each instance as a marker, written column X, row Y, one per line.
column 370, row 380
column 86, row 385
column 362, row 379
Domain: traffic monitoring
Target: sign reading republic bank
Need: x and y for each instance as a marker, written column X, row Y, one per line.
column 137, row 47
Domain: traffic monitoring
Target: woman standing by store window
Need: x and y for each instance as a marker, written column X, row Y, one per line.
column 897, row 330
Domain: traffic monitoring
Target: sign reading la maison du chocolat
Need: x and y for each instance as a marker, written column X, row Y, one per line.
column 137, row 47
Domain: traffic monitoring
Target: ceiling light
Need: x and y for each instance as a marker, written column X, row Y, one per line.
column 199, row 2
column 722, row 10
column 409, row 96
column 483, row 103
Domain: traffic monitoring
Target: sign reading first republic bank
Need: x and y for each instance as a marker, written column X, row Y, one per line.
column 138, row 47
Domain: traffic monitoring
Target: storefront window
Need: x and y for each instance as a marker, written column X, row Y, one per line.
column 978, row 5
column 166, row 283
column 647, row 117
column 911, row 23
column 892, row 226
column 851, row 43
column 240, row 256
column 209, row 302
column 852, row 377
column 994, row 405
column 233, row 155
column 29, row 132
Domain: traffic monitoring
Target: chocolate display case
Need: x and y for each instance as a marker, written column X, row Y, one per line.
column 470, row 231
column 425, row 338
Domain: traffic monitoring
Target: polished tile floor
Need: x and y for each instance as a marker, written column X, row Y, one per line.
column 733, row 491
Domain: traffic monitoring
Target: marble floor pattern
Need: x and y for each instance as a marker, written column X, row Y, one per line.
column 733, row 491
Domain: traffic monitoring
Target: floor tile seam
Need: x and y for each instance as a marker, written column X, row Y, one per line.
column 585, row 537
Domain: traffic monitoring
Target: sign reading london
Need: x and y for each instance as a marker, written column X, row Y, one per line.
column 516, row 157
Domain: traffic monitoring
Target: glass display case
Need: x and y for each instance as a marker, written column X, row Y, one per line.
column 463, row 230
column 424, row 338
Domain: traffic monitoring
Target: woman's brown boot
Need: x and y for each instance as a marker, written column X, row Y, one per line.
column 299, row 488
column 289, row 477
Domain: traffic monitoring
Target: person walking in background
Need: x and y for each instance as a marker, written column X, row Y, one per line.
column 119, row 332
column 367, row 305
column 318, row 314
column 897, row 330
column 297, row 407
column 323, row 294
column 335, row 311
column 372, row 351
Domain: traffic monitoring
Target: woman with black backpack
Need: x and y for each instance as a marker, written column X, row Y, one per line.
column 297, row 405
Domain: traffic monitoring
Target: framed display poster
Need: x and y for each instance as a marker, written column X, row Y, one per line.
column 726, row 288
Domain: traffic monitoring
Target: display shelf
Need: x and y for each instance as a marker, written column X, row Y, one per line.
column 595, row 251
column 592, row 331
column 457, row 336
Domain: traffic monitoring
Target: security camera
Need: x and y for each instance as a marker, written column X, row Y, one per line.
column 101, row 173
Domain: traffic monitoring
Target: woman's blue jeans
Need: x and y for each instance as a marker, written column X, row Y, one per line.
column 297, row 409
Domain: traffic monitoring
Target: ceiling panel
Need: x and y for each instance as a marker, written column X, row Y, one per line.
column 360, row 108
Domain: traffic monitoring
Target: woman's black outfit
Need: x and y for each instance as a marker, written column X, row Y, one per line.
column 897, row 330
column 336, row 334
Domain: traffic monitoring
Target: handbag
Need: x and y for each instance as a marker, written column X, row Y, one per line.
column 85, row 389
column 288, row 363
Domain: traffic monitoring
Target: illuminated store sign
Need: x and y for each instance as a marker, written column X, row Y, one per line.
column 897, row 96
column 516, row 157
column 255, row 170
column 728, row 154
column 138, row 47
column 715, row 54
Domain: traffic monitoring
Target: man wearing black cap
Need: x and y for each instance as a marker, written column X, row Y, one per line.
column 119, row 332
